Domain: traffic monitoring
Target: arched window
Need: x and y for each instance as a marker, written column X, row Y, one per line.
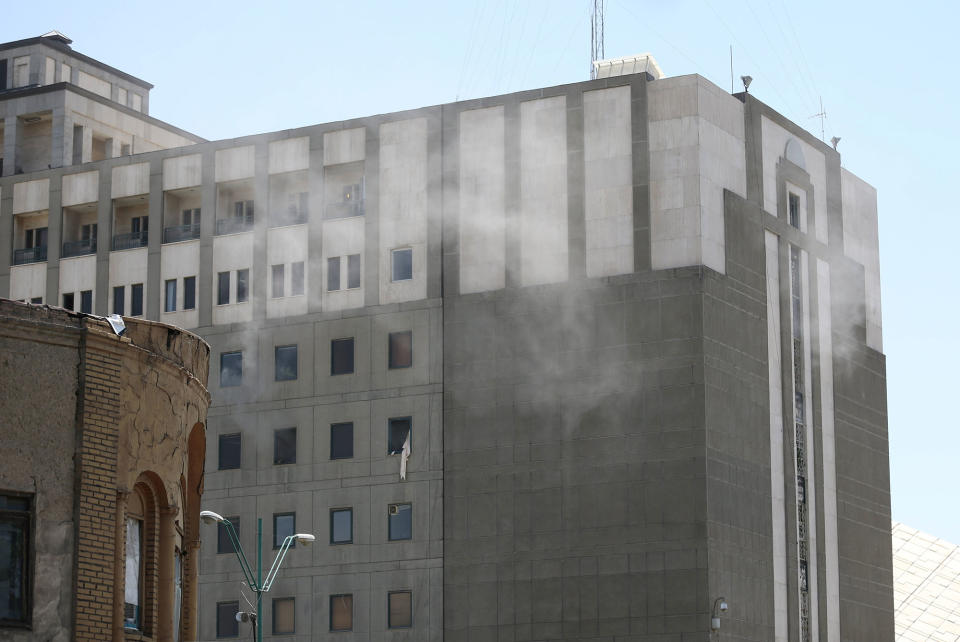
column 141, row 544
column 134, row 561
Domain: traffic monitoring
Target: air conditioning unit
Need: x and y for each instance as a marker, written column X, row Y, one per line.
column 394, row 510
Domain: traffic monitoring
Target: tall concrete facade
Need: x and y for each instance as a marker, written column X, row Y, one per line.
column 580, row 362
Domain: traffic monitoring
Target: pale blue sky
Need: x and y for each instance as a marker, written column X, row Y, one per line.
column 234, row 68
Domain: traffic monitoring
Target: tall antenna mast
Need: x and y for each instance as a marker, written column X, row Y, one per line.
column 596, row 35
column 821, row 116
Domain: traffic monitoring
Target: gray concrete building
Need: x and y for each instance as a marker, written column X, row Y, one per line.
column 622, row 337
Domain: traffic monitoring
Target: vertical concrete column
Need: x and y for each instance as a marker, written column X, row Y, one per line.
column 576, row 221
column 9, row 145
column 6, row 238
column 260, row 271
column 315, row 256
column 511, row 194
column 450, row 198
column 434, row 204
column 208, row 216
column 54, row 239
column 371, row 224
column 104, row 241
column 155, row 237
column 753, row 140
column 640, row 143
column 165, row 588
column 834, row 201
column 58, row 137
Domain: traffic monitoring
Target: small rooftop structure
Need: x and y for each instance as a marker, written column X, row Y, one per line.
column 56, row 35
column 627, row 65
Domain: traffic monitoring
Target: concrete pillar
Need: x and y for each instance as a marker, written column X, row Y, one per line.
column 208, row 216
column 54, row 240
column 371, row 224
column 101, row 298
column 260, row 271
column 155, row 237
column 9, row 145
column 6, row 239
column 315, row 257
column 165, row 588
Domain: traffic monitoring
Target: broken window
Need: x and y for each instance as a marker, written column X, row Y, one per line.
column 227, row 625
column 399, row 430
column 229, row 451
column 285, row 446
column 402, row 263
column 68, row 301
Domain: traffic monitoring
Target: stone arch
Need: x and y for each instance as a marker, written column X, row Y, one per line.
column 794, row 153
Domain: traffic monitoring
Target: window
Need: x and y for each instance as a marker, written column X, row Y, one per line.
column 285, row 363
column 285, row 446
column 284, row 525
column 793, row 207
column 189, row 292
column 402, row 265
column 227, row 625
column 353, row 271
column 401, row 350
column 399, row 430
column 134, row 566
column 68, row 300
column 341, row 526
column 231, row 369
column 191, row 217
column 296, row 278
column 37, row 300
column 399, row 612
column 284, row 616
column 15, row 543
column 86, row 301
column 341, row 612
column 118, row 292
column 224, row 545
column 243, row 277
column 170, row 297
column 399, row 522
column 276, row 281
column 136, row 300
column 223, row 288
column 122, row 96
column 229, row 451
column 341, row 356
column 333, row 273
column 341, row 441
column 137, row 102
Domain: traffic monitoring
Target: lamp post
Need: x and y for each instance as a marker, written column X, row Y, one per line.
column 257, row 584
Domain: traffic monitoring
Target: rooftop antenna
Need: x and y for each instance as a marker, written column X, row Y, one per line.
column 597, row 51
column 821, row 116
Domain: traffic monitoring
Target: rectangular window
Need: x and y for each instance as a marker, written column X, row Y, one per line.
column 399, row 611
column 284, row 618
column 37, row 300
column 86, row 301
column 353, row 271
column 118, row 292
column 229, row 451
column 296, row 278
column 136, row 300
column 170, row 296
column 16, row 544
column 285, row 446
column 399, row 522
column 189, row 292
column 285, row 363
column 341, row 612
column 132, row 590
column 276, row 281
column 793, row 207
column 231, row 369
column 243, row 277
column 399, row 430
column 341, row 356
column 341, row 526
column 227, row 625
column 401, row 349
column 341, row 441
column 402, row 261
column 284, row 525
column 68, row 301
column 333, row 273
column 224, row 544
column 223, row 288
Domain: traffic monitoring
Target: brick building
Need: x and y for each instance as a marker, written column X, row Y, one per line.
column 627, row 330
column 103, row 445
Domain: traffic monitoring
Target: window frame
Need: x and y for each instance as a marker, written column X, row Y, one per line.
column 394, row 253
column 409, row 511
column 119, row 297
column 189, row 293
column 332, row 598
column 331, row 271
column 220, row 442
column 231, row 621
column 293, row 530
column 223, row 286
column 334, row 371
column 239, row 380
column 390, row 424
column 273, row 616
column 286, row 350
column 243, row 285
column 333, row 511
column 170, row 295
column 277, row 277
column 391, row 360
column 24, row 518
column 390, row 624
column 136, row 300
column 337, row 425
column 276, row 446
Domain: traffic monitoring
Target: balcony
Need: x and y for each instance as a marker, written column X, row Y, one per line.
column 344, row 209
column 130, row 241
column 178, row 233
column 30, row 255
column 235, row 224
column 79, row 248
column 291, row 216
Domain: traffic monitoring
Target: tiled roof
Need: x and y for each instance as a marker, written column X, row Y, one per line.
column 926, row 586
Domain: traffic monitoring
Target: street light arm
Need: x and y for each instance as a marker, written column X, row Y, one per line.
column 277, row 561
column 238, row 550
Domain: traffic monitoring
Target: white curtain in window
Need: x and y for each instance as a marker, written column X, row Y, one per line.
column 131, row 595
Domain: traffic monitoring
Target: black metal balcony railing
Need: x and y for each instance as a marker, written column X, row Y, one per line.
column 79, row 248
column 288, row 217
column 30, row 255
column 130, row 241
column 181, row 233
column 235, row 224
column 344, row 210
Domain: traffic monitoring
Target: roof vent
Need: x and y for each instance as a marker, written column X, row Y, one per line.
column 56, row 35
column 627, row 65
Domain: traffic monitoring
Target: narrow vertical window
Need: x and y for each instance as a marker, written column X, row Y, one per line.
column 276, row 281
column 399, row 522
column 285, row 363
column 296, row 278
column 341, row 526
column 400, row 349
column 341, row 356
column 399, row 610
column 341, row 612
column 136, row 300
column 793, row 207
column 284, row 525
column 333, row 273
column 68, row 301
column 118, row 292
column 189, row 292
column 223, row 288
column 15, row 562
column 399, row 431
column 402, row 265
column 86, row 301
column 228, row 455
column 353, row 271
column 132, row 586
column 243, row 278
column 284, row 616
column 170, row 296
column 285, row 446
